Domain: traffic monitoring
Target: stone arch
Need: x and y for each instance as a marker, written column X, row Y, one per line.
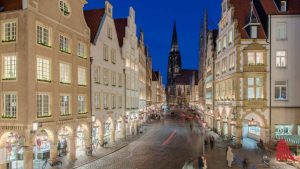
column 257, row 116
column 5, row 134
column 49, row 132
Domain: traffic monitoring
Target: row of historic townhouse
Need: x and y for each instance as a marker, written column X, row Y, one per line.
column 250, row 68
column 70, row 81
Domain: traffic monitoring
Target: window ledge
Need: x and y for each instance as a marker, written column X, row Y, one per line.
column 9, row 79
column 65, row 52
column 48, row 46
column 97, row 82
column 82, row 57
column 281, row 99
column 106, row 108
column 7, row 41
column 43, row 80
column 48, row 116
column 65, row 83
column 64, row 115
column 83, row 113
column 8, row 117
column 81, row 85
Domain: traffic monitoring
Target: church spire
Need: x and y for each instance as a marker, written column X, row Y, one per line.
column 174, row 38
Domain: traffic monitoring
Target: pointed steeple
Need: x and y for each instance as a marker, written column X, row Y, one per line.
column 174, row 38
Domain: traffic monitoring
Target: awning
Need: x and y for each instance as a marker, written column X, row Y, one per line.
column 294, row 139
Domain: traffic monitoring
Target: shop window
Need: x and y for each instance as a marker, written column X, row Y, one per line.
column 283, row 130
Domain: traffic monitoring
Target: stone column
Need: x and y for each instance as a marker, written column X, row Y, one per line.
column 229, row 127
column 72, row 146
column 88, row 141
column 53, row 149
column 222, row 126
column 123, row 130
column 239, row 130
column 112, row 135
column 3, row 166
column 101, row 134
column 28, row 156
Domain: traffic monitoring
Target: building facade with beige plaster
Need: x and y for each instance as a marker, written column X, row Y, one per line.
column 143, row 54
column 240, row 98
column 45, row 81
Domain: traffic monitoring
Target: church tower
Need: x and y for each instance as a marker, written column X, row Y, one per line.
column 174, row 67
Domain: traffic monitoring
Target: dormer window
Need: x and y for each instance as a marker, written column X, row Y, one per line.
column 253, row 32
column 283, row 5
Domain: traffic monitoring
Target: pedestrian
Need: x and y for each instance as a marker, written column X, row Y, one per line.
column 245, row 163
column 212, row 141
column 204, row 162
column 188, row 165
column 229, row 156
column 206, row 142
column 200, row 162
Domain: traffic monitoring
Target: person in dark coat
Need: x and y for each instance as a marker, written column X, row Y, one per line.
column 200, row 162
column 245, row 163
column 212, row 141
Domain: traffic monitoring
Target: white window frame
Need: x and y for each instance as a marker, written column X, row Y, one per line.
column 253, row 32
column 82, row 104
column 105, row 52
column 280, row 86
column 97, row 74
column 81, row 50
column 255, row 87
column 43, row 37
column 256, row 57
column 81, row 76
column 45, row 111
column 224, row 45
column 97, row 100
column 120, row 101
column 230, row 37
column 281, row 30
column 64, row 7
column 10, row 36
column 113, row 78
column 9, row 67
column 65, row 105
column 113, row 101
column 105, row 76
column 10, row 108
column 120, row 80
column 113, row 56
column 65, row 73
column 279, row 59
column 105, row 101
column 42, row 74
column 283, row 5
column 65, row 43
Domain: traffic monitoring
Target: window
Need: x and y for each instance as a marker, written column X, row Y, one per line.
column 283, row 6
column 9, row 31
column 230, row 38
column 109, row 32
column 280, row 58
column 97, row 100
column 127, row 62
column 281, row 33
column 65, row 105
column 120, row 102
column 113, row 56
column 113, row 78
column 43, row 35
column 105, row 52
column 64, row 7
column 81, row 104
column 255, row 88
column 231, row 62
column 97, row 75
column 113, row 101
column 10, row 67
column 64, row 43
column 81, row 76
column 10, row 105
column 43, row 105
column 280, row 90
column 224, row 42
column 224, row 65
column 218, row 69
column 43, row 69
column 120, row 80
column 253, row 32
column 219, row 46
column 255, row 58
column 283, row 130
column 105, row 76
column 81, row 50
column 105, row 101
column 65, row 73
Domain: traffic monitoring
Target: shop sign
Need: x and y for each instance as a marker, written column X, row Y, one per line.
column 283, row 130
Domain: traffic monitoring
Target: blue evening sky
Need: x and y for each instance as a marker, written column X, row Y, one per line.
column 156, row 19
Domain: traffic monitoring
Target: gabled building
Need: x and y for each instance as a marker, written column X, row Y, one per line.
column 241, row 64
column 142, row 69
column 45, row 54
column 107, row 77
column 126, row 31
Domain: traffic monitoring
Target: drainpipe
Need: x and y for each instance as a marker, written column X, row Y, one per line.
column 124, row 72
column 91, row 108
column 270, row 99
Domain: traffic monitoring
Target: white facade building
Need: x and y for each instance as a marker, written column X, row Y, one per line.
column 142, row 75
column 106, row 76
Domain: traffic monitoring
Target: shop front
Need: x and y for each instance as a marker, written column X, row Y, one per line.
column 80, row 142
column 63, row 142
column 12, row 150
column 41, row 149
